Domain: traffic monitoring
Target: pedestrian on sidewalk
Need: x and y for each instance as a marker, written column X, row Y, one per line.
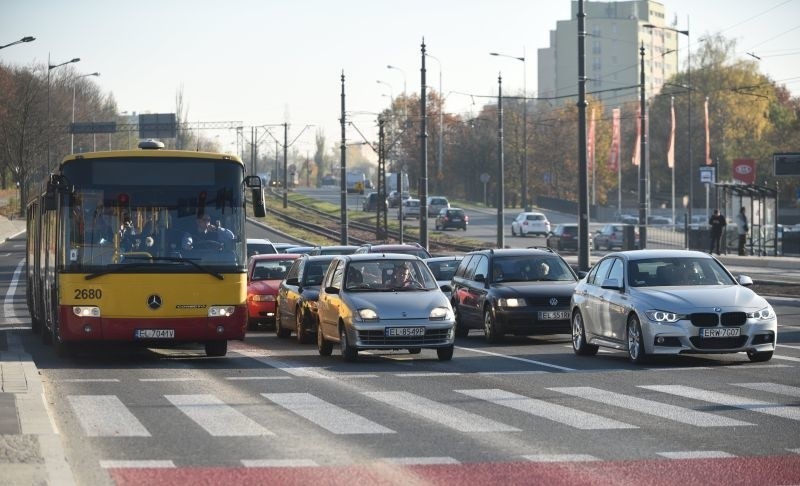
column 717, row 223
column 741, row 229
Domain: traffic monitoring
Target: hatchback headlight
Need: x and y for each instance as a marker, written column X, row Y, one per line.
column 262, row 298
column 368, row 315
column 664, row 316
column 512, row 302
column 763, row 314
column 441, row 314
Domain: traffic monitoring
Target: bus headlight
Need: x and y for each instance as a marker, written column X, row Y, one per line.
column 221, row 311
column 86, row 311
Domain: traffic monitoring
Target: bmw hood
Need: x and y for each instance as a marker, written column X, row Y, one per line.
column 691, row 299
column 399, row 305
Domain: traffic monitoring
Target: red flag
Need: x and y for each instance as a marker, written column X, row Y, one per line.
column 708, row 139
column 636, row 149
column 671, row 147
column 613, row 156
column 590, row 142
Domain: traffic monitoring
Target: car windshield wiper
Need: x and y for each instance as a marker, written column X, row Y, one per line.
column 148, row 261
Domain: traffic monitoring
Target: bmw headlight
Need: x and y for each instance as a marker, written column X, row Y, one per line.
column 763, row 314
column 441, row 314
column 367, row 315
column 664, row 316
column 512, row 302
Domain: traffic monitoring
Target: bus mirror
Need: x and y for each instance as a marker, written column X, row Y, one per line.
column 259, row 207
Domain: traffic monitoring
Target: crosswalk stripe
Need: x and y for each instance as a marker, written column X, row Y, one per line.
column 419, row 461
column 776, row 388
column 695, row 454
column 550, row 411
column 560, row 458
column 123, row 464
column 279, row 463
column 217, row 418
column 650, row 407
column 326, row 415
column 446, row 415
column 792, row 413
column 105, row 416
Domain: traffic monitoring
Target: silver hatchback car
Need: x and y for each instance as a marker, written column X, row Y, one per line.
column 383, row 301
column 657, row 302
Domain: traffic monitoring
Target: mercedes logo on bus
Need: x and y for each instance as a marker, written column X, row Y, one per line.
column 154, row 301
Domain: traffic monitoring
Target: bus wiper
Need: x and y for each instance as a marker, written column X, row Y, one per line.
column 147, row 260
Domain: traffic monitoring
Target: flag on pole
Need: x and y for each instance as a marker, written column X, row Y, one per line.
column 636, row 150
column 671, row 147
column 708, row 139
column 613, row 156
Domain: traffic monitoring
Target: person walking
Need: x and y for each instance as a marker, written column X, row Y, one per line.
column 717, row 224
column 741, row 228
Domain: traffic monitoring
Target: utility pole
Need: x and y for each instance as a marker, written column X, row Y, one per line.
column 285, row 161
column 500, row 164
column 381, row 226
column 583, row 171
column 644, row 166
column 343, row 174
column 423, row 181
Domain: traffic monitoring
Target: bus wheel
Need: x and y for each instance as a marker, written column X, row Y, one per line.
column 216, row 348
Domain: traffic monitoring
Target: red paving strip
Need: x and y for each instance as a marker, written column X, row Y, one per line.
column 754, row 470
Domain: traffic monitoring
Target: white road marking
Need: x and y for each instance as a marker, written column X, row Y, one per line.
column 516, row 358
column 426, row 375
column 792, row 413
column 90, row 380
column 695, row 454
column 326, row 415
column 551, row 411
column 217, row 418
column 785, row 358
column 419, row 461
column 650, row 407
column 299, row 371
column 446, row 415
column 257, row 378
column 166, row 380
column 776, row 388
column 106, row 416
column 279, row 463
column 122, row 464
column 560, row 458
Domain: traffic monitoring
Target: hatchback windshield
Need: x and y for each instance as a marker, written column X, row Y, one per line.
column 381, row 275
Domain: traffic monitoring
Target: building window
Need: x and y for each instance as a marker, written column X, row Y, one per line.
column 596, row 47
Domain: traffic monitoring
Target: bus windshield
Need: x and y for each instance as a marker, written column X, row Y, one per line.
column 181, row 213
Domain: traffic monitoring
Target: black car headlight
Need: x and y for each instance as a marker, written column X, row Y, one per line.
column 512, row 302
column 664, row 316
column 762, row 314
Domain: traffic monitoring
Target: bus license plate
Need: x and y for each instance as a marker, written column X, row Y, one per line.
column 404, row 331
column 553, row 315
column 720, row 332
column 154, row 334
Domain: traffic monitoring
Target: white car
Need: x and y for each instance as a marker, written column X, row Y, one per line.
column 527, row 223
column 667, row 302
column 410, row 209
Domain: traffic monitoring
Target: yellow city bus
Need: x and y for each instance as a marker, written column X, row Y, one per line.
column 145, row 246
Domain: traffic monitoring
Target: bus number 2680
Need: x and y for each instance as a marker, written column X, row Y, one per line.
column 85, row 294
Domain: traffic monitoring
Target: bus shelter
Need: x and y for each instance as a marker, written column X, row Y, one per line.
column 761, row 205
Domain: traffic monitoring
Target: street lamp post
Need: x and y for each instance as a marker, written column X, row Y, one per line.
column 524, row 182
column 24, row 39
column 441, row 125
column 405, row 94
column 391, row 91
column 72, row 128
column 50, row 67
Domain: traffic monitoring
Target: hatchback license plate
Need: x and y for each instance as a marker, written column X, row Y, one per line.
column 154, row 334
column 404, row 331
column 553, row 315
column 720, row 332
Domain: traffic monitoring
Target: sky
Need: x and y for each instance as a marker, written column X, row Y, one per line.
column 269, row 62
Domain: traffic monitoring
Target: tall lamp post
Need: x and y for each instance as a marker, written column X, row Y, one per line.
column 24, row 39
column 405, row 94
column 524, row 182
column 391, row 91
column 72, row 128
column 689, row 103
column 440, row 154
column 50, row 67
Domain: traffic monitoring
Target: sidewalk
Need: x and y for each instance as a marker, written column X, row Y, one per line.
column 10, row 227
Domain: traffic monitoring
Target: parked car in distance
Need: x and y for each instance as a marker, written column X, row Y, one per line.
column 565, row 237
column 264, row 275
column 452, row 218
column 282, row 247
column 297, row 298
column 436, row 204
column 443, row 269
column 659, row 220
column 612, row 235
column 394, row 198
column 260, row 246
column 668, row 302
column 530, row 222
column 371, row 202
column 405, row 249
column 384, row 302
column 410, row 209
column 512, row 291
column 628, row 219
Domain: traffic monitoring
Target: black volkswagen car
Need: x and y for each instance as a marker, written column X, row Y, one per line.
column 513, row 291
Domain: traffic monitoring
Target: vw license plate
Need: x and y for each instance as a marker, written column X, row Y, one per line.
column 720, row 332
column 154, row 334
column 553, row 315
column 404, row 331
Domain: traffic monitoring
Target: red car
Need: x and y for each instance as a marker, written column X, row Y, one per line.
column 264, row 275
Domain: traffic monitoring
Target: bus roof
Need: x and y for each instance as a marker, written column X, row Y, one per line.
column 146, row 153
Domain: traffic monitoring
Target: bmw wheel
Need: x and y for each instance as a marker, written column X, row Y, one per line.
column 636, row 351
column 349, row 353
column 579, row 344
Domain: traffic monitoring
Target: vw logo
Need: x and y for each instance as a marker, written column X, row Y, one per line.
column 553, row 301
column 154, row 301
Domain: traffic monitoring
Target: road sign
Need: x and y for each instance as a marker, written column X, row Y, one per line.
column 707, row 175
column 786, row 164
column 92, row 127
column 157, row 125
